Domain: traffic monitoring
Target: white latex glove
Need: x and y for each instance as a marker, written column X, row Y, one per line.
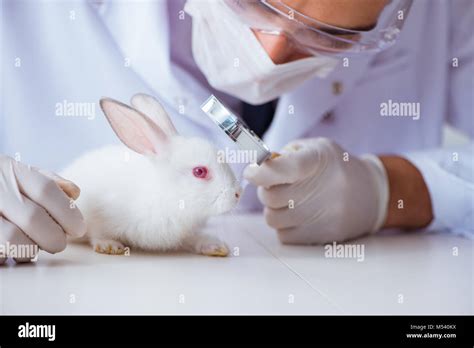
column 317, row 193
column 34, row 210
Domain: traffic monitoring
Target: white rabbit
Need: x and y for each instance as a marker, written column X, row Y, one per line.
column 157, row 196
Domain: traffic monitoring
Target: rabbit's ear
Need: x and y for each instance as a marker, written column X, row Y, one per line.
column 153, row 109
column 133, row 128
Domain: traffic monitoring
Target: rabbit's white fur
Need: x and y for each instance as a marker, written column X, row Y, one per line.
column 153, row 201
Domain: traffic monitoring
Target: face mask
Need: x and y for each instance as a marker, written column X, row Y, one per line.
column 234, row 62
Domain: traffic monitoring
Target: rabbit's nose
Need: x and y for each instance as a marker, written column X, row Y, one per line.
column 237, row 195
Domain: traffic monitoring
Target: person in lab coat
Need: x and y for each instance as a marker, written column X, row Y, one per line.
column 369, row 124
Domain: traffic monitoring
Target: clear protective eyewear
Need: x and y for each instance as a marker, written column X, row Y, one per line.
column 315, row 37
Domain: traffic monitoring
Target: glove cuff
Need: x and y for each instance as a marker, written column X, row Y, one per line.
column 379, row 174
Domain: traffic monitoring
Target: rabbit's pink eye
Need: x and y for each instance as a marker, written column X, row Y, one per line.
column 200, row 172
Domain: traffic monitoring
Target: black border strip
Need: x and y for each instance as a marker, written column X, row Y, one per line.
column 225, row 330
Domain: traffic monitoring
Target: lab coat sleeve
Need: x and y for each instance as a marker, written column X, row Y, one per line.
column 449, row 173
column 449, row 176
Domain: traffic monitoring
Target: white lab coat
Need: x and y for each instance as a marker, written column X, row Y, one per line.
column 77, row 51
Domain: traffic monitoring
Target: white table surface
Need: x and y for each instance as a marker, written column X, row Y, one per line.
column 401, row 274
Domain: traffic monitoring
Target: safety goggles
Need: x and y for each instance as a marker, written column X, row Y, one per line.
column 315, row 37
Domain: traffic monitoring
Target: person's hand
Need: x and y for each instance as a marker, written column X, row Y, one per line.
column 316, row 193
column 35, row 211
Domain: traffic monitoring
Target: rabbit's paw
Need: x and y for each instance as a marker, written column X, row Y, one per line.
column 206, row 245
column 108, row 246
column 215, row 249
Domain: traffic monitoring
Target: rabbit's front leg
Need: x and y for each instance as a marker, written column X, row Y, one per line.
column 103, row 243
column 201, row 243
